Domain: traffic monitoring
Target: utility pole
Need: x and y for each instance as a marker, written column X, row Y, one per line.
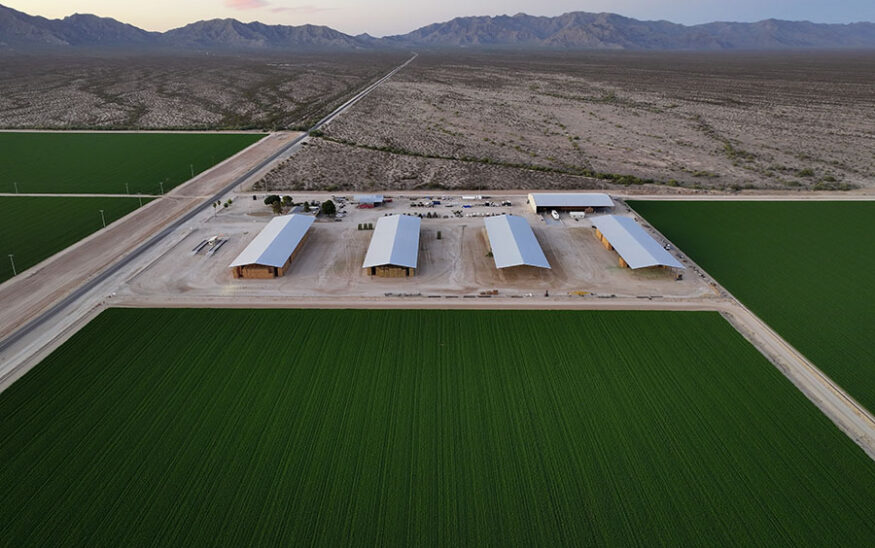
column 14, row 273
column 141, row 200
column 16, row 187
column 162, row 186
column 127, row 188
column 102, row 218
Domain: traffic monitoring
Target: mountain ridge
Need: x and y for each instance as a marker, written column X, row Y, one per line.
column 570, row 31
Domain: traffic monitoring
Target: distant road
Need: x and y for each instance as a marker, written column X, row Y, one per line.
column 112, row 269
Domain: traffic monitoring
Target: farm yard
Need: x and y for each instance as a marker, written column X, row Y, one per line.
column 184, row 427
column 805, row 268
column 103, row 163
column 33, row 229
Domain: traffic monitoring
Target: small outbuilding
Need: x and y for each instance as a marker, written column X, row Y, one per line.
column 394, row 248
column 637, row 249
column 270, row 254
column 369, row 199
column 549, row 201
column 512, row 242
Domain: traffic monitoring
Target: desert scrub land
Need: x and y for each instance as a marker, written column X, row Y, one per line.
column 328, row 165
column 726, row 121
column 180, row 91
column 34, row 229
column 102, row 163
column 368, row 427
column 807, row 269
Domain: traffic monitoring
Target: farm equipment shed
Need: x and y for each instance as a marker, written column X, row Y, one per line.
column 637, row 249
column 568, row 201
column 370, row 199
column 394, row 248
column 270, row 254
column 513, row 243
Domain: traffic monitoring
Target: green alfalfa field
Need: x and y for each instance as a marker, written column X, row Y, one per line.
column 102, row 163
column 399, row 428
column 34, row 229
column 806, row 268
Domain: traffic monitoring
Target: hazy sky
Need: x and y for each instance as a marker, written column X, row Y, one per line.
column 382, row 17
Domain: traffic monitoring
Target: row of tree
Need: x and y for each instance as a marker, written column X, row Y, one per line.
column 326, row 208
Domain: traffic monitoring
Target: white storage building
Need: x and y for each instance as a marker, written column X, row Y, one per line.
column 270, row 254
column 394, row 248
column 513, row 243
column 637, row 249
column 547, row 201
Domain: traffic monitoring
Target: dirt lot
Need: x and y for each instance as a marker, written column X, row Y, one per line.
column 180, row 92
column 456, row 265
column 792, row 121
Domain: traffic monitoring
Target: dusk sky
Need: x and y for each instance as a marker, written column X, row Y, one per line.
column 382, row 17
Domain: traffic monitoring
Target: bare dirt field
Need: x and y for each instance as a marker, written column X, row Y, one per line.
column 151, row 91
column 727, row 121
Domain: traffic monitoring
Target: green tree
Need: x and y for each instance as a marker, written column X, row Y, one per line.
column 328, row 208
column 277, row 207
column 271, row 199
column 287, row 201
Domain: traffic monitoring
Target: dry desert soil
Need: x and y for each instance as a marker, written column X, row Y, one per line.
column 180, row 91
column 513, row 120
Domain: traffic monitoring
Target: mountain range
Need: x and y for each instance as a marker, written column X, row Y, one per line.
column 578, row 30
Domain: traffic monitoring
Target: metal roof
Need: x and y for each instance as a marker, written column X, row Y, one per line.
column 369, row 198
column 395, row 242
column 571, row 200
column 513, row 242
column 276, row 242
column 633, row 243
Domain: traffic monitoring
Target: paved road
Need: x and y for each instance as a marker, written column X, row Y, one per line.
column 84, row 289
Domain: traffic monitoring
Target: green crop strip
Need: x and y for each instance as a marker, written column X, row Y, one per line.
column 806, row 268
column 102, row 163
column 399, row 428
column 34, row 229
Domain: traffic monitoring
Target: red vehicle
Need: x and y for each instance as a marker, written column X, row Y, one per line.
column 365, row 206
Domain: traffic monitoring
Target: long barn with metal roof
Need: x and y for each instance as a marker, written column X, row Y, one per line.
column 513, row 242
column 394, row 249
column 270, row 254
column 636, row 247
column 568, row 201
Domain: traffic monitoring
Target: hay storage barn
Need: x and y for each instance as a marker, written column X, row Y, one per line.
column 540, row 202
column 270, row 254
column 513, row 243
column 394, row 249
column 637, row 249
